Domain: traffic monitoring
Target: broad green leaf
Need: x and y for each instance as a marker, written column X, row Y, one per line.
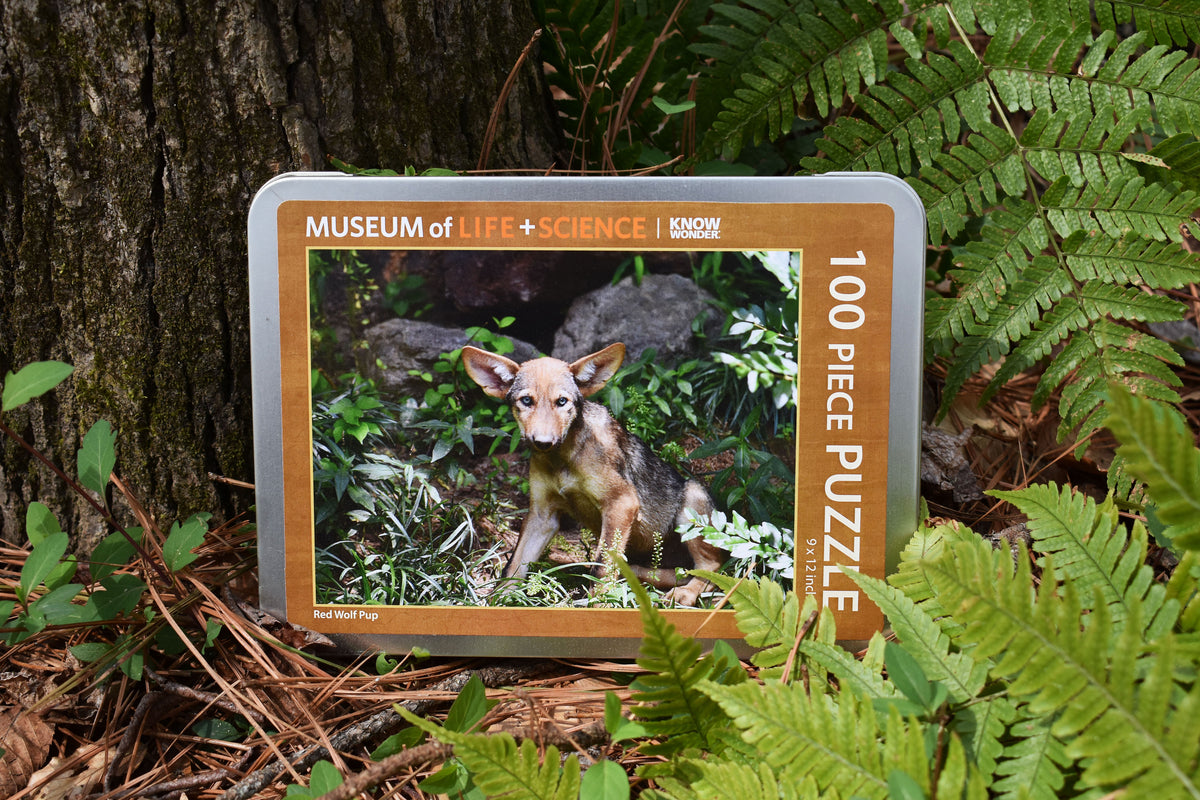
column 40, row 522
column 114, row 551
column 451, row 779
column 56, row 606
column 619, row 727
column 670, row 108
column 604, row 780
column 97, row 457
column 906, row 674
column 32, row 380
column 219, row 729
column 119, row 596
column 44, row 558
column 324, row 779
column 90, row 651
column 409, row 737
column 183, row 540
column 469, row 707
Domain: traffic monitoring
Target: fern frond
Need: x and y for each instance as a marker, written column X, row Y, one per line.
column 502, row 768
column 965, row 179
column 668, row 702
column 1120, row 208
column 1082, row 147
column 985, row 271
column 1092, row 358
column 1091, row 548
column 728, row 780
column 838, row 743
column 1040, row 287
column 1158, row 447
column 1167, row 21
column 1158, row 87
column 1157, row 265
column 1179, row 157
column 768, row 618
column 983, row 726
column 788, row 53
column 1034, row 764
column 910, row 117
column 924, row 640
column 1120, row 706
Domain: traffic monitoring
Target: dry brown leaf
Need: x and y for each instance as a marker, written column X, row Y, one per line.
column 25, row 738
column 71, row 785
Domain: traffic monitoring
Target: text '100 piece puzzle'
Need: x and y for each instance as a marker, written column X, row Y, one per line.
column 366, row 532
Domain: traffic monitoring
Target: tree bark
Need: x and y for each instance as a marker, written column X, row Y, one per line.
column 133, row 136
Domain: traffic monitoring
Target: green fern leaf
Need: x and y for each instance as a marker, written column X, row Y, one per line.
column 1158, row 447
column 1034, row 765
column 924, row 640
column 1109, row 690
column 728, row 780
column 911, row 116
column 1092, row 549
column 1167, row 21
column 501, row 768
column 768, row 618
column 836, row 743
column 1119, row 208
column 668, row 702
column 965, row 180
column 1159, row 265
column 1040, row 286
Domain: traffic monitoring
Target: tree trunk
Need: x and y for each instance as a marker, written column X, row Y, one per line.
column 133, row 136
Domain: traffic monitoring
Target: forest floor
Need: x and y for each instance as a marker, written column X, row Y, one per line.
column 249, row 713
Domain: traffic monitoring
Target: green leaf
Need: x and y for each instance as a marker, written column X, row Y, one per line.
column 907, row 675
column 325, row 778
column 114, row 551
column 619, row 727
column 90, row 651
column 57, row 607
column 97, row 457
column 901, row 786
column 451, row 779
column 1156, row 443
column 120, row 595
column 499, row 767
column 43, row 560
column 40, row 522
column 469, row 707
column 604, row 780
column 219, row 729
column 670, row 108
column 409, row 737
column 183, row 540
column 32, row 380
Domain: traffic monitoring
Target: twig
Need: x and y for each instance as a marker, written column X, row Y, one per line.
column 382, row 723
column 490, row 135
column 382, row 770
column 196, row 781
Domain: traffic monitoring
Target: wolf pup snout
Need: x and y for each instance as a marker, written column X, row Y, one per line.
column 587, row 466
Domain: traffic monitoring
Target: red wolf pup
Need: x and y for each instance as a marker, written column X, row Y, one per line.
column 587, row 466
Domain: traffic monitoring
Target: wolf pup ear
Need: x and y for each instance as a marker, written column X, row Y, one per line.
column 494, row 373
column 592, row 372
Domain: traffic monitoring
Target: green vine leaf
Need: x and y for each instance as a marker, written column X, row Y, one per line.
column 97, row 457
column 32, row 380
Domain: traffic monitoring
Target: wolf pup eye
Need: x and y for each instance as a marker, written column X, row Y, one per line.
column 562, row 401
column 526, row 401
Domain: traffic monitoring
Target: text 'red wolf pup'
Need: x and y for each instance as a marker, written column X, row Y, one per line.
column 587, row 466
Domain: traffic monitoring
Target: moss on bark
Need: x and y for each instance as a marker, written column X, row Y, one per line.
column 133, row 136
